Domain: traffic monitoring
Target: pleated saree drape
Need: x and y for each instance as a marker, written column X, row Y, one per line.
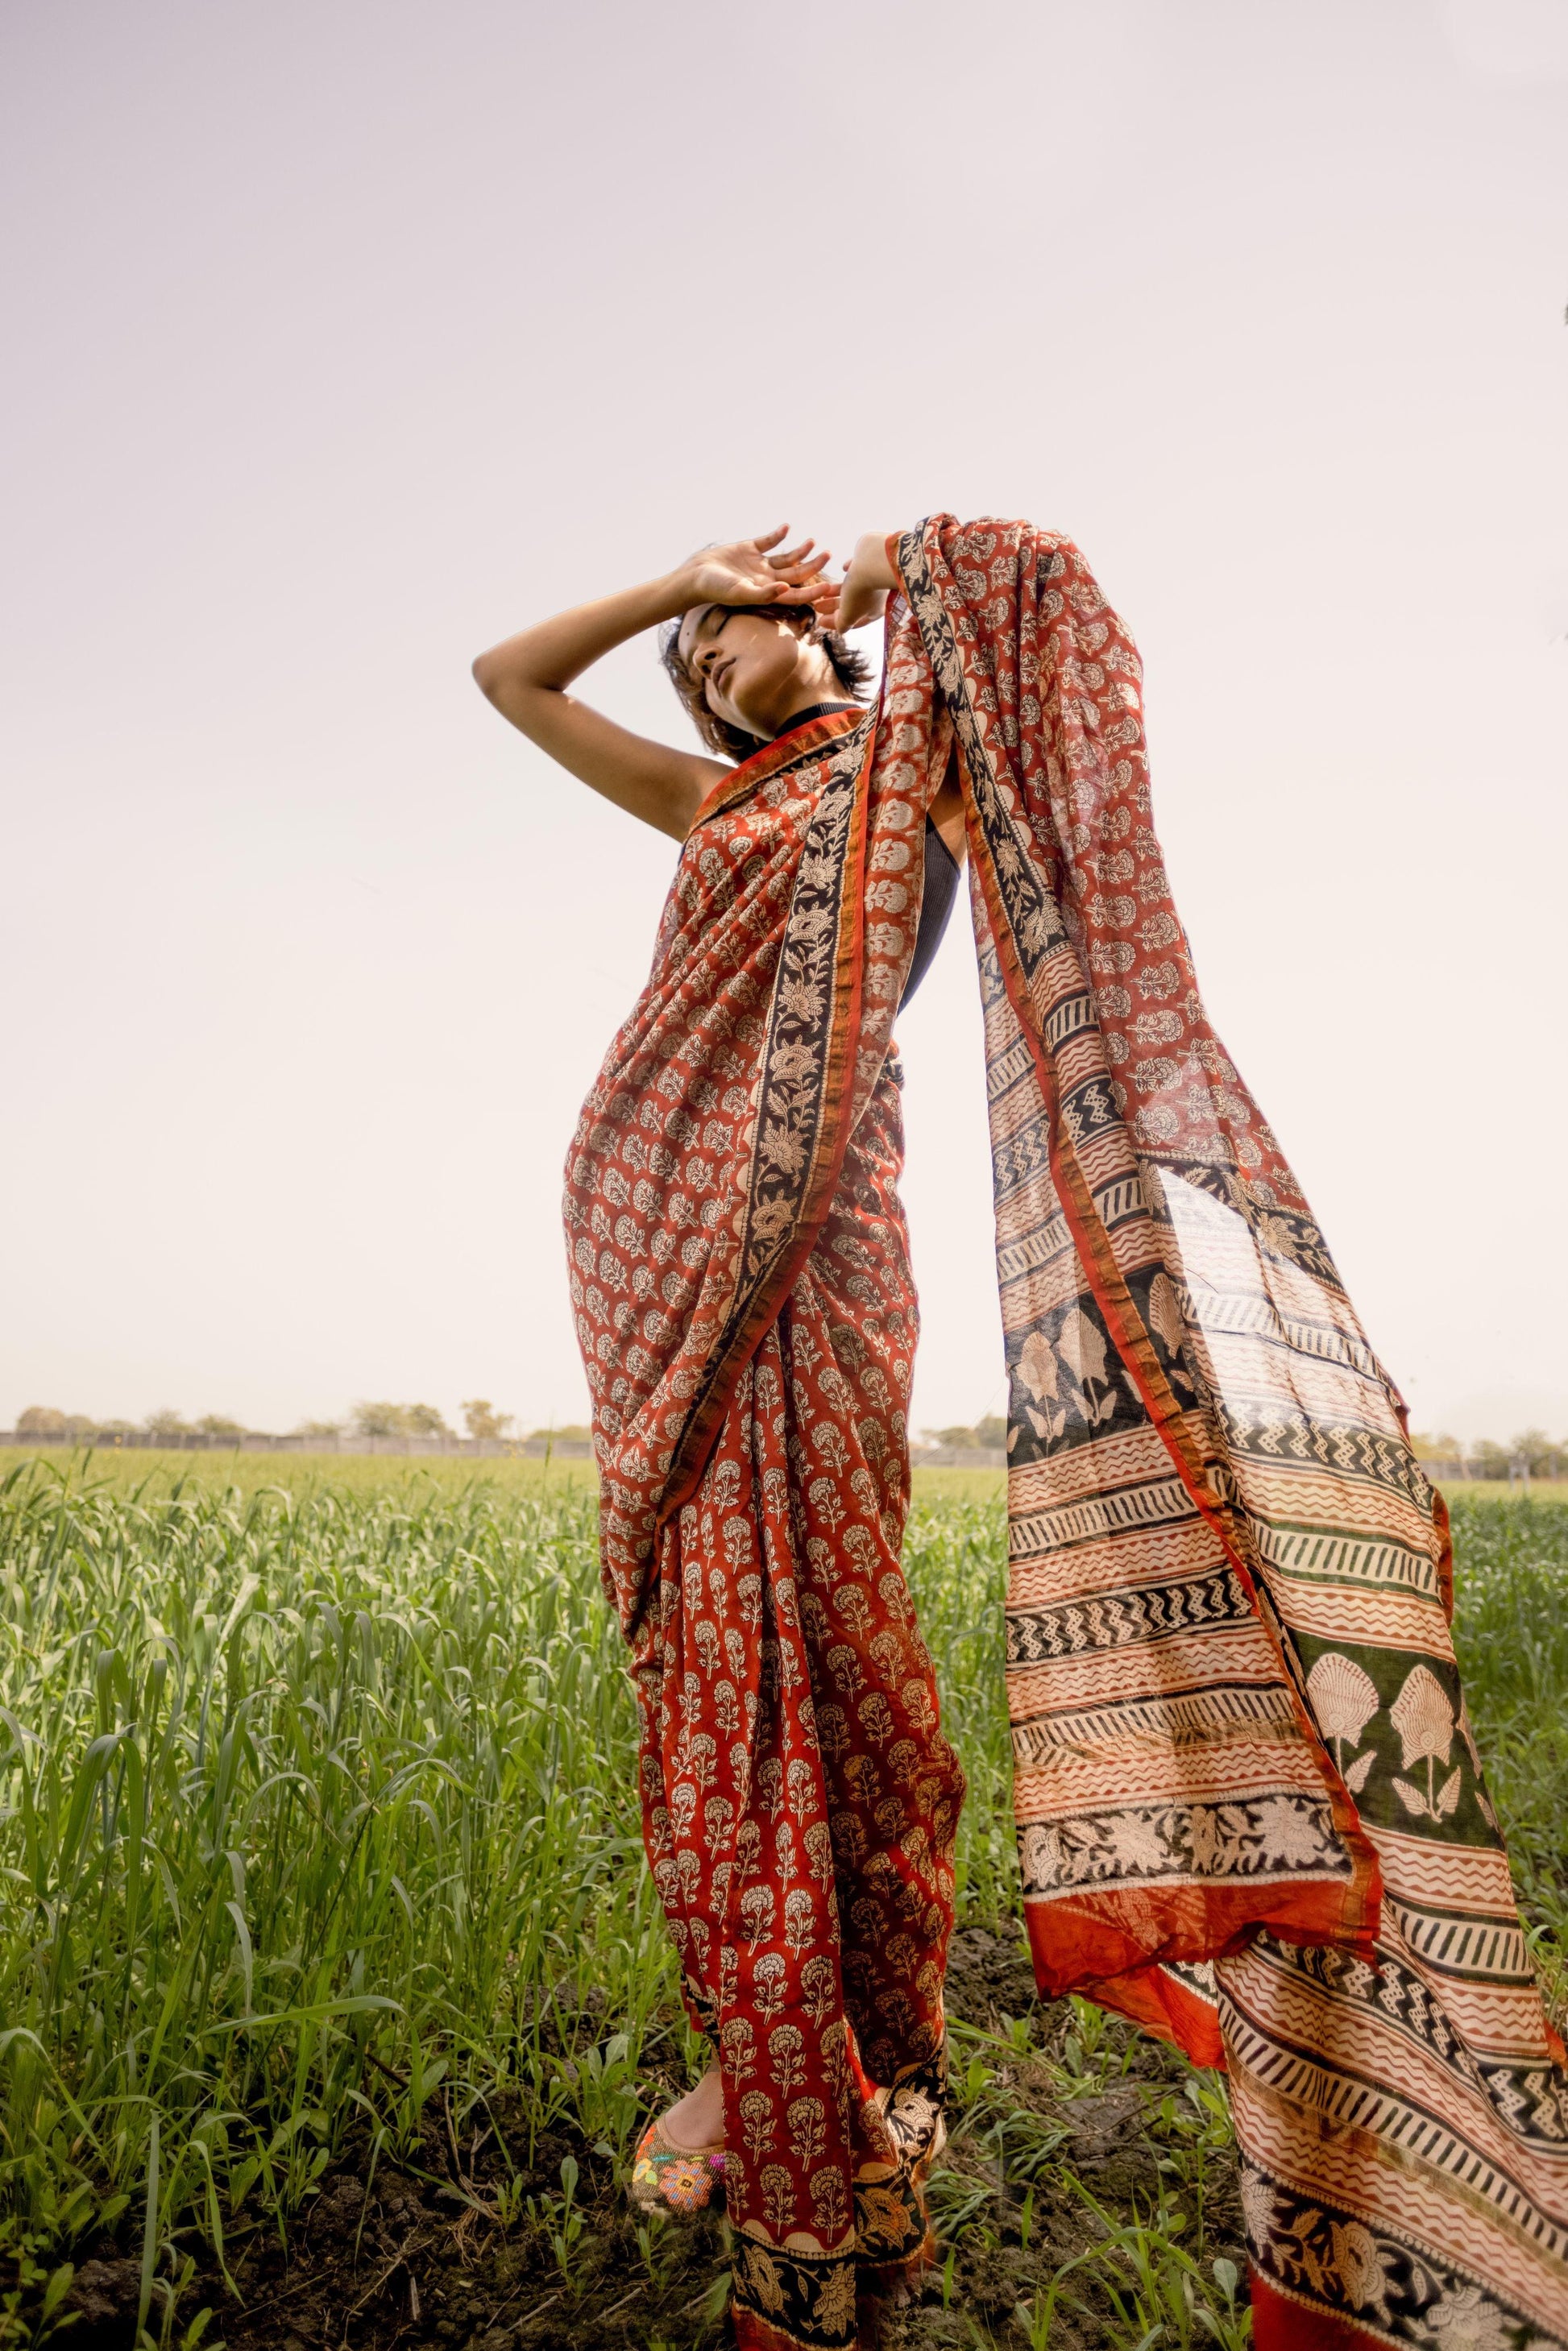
column 1250, row 1813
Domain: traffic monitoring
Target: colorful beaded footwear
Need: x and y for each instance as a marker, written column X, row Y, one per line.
column 678, row 2180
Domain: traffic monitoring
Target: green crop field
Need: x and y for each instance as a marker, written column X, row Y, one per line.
column 332, row 1990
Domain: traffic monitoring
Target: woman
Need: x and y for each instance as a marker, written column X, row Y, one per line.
column 800, row 1801
column 1250, row 1808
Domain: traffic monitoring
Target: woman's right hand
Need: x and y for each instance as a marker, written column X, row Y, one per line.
column 756, row 571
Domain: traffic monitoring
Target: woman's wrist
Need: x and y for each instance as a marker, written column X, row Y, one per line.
column 674, row 592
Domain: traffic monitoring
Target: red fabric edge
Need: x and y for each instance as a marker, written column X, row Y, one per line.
column 760, row 764
column 1162, row 2006
column 1279, row 2323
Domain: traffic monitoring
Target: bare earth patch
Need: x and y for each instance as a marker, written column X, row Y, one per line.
column 1051, row 2108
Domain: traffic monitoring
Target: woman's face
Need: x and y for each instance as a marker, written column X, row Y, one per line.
column 754, row 668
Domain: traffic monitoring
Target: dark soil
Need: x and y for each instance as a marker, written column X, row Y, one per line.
column 410, row 2257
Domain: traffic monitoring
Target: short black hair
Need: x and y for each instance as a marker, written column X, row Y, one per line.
column 849, row 664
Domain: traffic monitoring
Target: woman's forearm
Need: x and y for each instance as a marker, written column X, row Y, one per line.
column 865, row 587
column 548, row 656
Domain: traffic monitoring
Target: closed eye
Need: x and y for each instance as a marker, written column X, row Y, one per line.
column 713, row 635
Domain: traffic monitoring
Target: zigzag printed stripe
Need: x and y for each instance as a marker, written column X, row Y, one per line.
column 1119, row 1619
column 1018, row 1157
column 1027, row 1252
column 1451, row 1877
column 1240, row 1317
column 1348, row 1453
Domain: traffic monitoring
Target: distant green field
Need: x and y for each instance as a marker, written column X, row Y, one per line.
column 123, row 1471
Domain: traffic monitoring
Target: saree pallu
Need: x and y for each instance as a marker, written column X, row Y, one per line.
column 1250, row 1813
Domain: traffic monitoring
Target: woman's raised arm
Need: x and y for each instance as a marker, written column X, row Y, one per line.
column 527, row 675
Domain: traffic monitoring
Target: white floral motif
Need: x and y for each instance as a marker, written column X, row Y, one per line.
column 1344, row 1697
column 1468, row 2320
column 1361, row 2264
column 1424, row 1719
column 1290, row 1836
column 1037, row 1371
column 1082, row 1352
column 1040, row 1854
column 1136, row 1843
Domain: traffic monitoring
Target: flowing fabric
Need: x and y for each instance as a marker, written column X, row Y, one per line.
column 1250, row 1813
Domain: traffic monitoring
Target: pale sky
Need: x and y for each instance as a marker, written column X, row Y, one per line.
column 343, row 340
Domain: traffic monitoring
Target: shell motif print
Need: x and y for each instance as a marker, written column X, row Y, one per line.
column 1345, row 1700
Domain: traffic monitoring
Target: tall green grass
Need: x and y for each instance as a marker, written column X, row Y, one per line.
column 1511, row 1627
column 309, row 1804
column 316, row 1804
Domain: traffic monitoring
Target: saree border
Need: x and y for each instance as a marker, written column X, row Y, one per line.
column 800, row 1127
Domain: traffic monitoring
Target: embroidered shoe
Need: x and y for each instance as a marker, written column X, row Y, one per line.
column 678, row 2180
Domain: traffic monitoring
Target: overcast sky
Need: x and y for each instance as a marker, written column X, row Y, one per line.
column 345, row 339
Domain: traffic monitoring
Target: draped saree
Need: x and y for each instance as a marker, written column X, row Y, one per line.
column 1250, row 1813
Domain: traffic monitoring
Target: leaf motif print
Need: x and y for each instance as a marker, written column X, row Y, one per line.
column 1449, row 1793
column 1037, row 1368
column 1081, row 1348
column 836, row 2298
column 1356, row 1773
column 761, row 2274
column 1411, row 1798
column 1166, row 1315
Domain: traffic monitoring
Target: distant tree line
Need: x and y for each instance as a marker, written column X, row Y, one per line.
column 1532, row 1451
column 986, row 1435
column 481, row 1420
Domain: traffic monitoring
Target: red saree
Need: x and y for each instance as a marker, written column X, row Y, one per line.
column 741, row 1276
column 1249, row 1809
